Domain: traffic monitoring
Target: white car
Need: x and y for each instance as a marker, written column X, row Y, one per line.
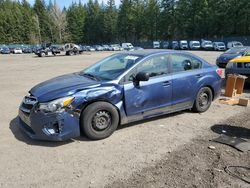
column 156, row 44
column 17, row 51
column 219, row 46
column 183, row 45
column 116, row 47
column 194, row 45
column 207, row 45
column 234, row 44
column 127, row 46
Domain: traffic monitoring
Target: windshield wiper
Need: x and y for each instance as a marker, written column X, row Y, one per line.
column 93, row 77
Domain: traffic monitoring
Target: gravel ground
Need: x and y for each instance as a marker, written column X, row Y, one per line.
column 116, row 161
column 194, row 164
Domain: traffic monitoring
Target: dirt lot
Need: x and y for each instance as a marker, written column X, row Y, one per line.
column 169, row 151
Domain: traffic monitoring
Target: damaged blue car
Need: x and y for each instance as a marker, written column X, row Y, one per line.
column 117, row 90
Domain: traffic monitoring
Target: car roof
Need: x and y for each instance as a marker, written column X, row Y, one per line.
column 145, row 53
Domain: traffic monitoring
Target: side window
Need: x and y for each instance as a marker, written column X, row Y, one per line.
column 155, row 66
column 184, row 63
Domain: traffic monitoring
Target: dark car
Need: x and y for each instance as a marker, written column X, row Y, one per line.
column 5, row 50
column 175, row 45
column 119, row 89
column 27, row 50
column 232, row 53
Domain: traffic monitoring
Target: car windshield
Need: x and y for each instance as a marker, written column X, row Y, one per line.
column 208, row 43
column 111, row 67
column 238, row 44
column 221, row 44
column 235, row 50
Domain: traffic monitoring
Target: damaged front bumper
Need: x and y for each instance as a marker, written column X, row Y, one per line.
column 58, row 126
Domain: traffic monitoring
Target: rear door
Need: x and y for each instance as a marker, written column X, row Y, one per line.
column 186, row 73
column 150, row 95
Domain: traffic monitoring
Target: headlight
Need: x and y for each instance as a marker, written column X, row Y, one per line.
column 56, row 105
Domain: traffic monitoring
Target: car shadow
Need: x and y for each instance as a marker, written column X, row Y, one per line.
column 19, row 135
column 151, row 119
column 232, row 131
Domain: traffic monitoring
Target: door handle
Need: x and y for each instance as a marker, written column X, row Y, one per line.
column 166, row 83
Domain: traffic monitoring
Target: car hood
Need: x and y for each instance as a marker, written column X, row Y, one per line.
column 61, row 86
column 228, row 57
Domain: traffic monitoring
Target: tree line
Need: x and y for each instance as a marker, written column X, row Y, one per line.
column 132, row 21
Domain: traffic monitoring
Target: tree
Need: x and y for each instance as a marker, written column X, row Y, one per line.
column 110, row 22
column 152, row 14
column 76, row 18
column 44, row 21
column 124, row 23
column 59, row 21
column 168, row 19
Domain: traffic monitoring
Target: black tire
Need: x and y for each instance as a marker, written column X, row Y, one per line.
column 70, row 53
column 99, row 120
column 203, row 100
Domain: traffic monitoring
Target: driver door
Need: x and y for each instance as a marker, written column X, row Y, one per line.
column 149, row 97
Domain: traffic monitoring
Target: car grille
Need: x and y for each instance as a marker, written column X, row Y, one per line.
column 28, row 103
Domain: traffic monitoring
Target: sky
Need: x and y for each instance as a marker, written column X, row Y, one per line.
column 66, row 3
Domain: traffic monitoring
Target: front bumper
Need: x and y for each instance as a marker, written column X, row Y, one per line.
column 59, row 126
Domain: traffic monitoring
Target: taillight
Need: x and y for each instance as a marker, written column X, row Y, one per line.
column 219, row 72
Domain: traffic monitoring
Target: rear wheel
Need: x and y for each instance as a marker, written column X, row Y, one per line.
column 99, row 120
column 203, row 100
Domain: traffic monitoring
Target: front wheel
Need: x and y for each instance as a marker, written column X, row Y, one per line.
column 203, row 100
column 99, row 120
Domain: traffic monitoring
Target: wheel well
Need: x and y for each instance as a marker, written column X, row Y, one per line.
column 94, row 101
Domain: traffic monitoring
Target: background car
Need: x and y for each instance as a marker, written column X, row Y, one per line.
column 219, row 46
column 90, row 48
column 116, row 47
column 27, row 50
column 17, row 51
column 206, row 44
column 175, row 45
column 156, row 44
column 138, row 48
column 232, row 53
column 5, row 50
column 194, row 45
column 127, row 46
column 122, row 88
column 233, row 44
column 183, row 44
column 98, row 47
column 240, row 66
column 105, row 47
column 165, row 44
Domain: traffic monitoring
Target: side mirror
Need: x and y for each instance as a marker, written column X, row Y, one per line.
column 141, row 76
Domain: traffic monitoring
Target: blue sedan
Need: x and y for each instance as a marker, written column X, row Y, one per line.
column 119, row 89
